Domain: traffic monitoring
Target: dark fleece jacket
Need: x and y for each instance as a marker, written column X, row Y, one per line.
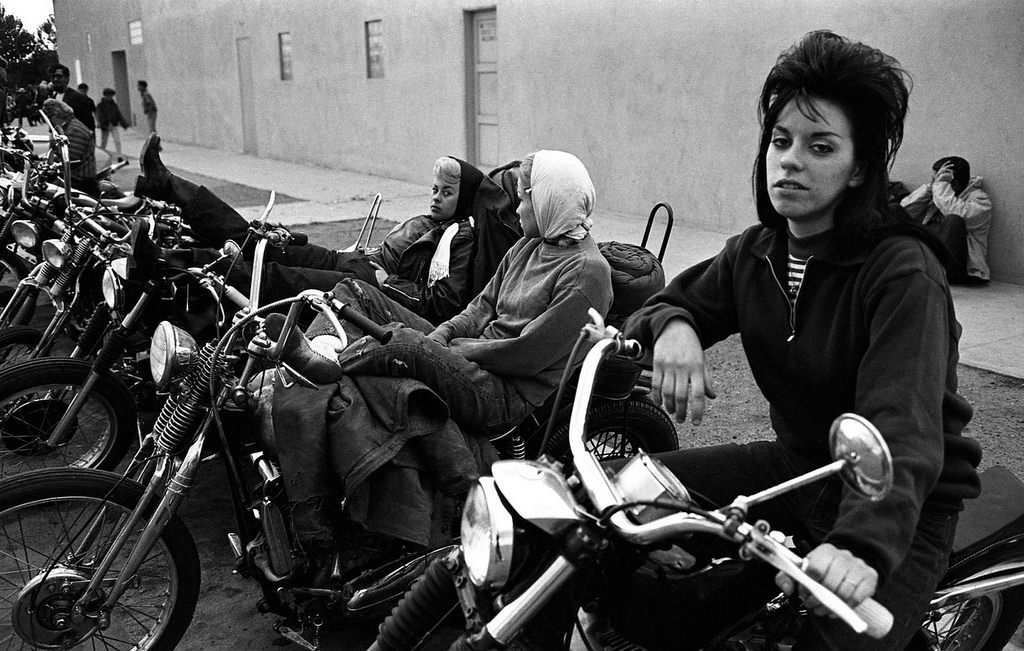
column 869, row 332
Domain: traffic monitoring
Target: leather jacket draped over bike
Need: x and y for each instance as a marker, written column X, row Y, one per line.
column 389, row 438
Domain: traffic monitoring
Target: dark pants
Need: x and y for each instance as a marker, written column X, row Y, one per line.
column 720, row 473
column 286, row 271
column 479, row 401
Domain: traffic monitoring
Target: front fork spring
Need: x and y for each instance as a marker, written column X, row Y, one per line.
column 173, row 427
column 71, row 267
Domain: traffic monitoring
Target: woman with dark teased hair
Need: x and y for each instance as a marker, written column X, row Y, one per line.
column 840, row 308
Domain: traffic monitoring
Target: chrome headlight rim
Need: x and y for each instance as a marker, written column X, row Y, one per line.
column 55, row 252
column 25, row 233
column 645, row 479
column 488, row 534
column 171, row 351
column 113, row 289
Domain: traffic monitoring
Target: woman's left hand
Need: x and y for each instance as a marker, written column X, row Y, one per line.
column 850, row 578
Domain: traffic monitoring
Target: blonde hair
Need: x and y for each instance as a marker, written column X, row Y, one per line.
column 447, row 169
column 54, row 108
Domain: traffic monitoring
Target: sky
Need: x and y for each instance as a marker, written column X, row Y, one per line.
column 32, row 13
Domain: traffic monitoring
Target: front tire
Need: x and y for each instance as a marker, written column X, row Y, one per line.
column 46, row 528
column 986, row 622
column 34, row 396
column 12, row 268
column 17, row 343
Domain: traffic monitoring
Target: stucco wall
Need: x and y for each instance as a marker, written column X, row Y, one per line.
column 656, row 97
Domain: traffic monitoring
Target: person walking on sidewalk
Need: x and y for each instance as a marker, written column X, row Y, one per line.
column 108, row 113
column 148, row 106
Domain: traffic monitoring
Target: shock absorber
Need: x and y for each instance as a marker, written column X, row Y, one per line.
column 71, row 267
column 518, row 447
column 93, row 331
column 173, row 427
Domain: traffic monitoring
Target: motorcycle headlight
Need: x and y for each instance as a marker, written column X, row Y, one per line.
column 170, row 352
column 113, row 287
column 487, row 532
column 25, row 233
column 55, row 252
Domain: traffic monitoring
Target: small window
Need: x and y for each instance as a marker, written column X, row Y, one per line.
column 284, row 48
column 135, row 32
column 88, row 42
column 374, row 49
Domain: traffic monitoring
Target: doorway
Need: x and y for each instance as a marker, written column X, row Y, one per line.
column 482, row 90
column 248, row 98
column 119, row 64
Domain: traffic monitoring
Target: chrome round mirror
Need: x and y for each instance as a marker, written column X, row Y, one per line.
column 868, row 468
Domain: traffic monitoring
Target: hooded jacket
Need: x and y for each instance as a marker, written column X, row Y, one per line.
column 408, row 250
column 872, row 333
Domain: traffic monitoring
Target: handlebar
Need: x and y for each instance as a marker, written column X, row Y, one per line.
column 870, row 617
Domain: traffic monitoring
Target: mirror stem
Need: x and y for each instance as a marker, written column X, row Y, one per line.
column 744, row 502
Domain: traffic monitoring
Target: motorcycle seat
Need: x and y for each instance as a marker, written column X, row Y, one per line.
column 128, row 203
column 997, row 513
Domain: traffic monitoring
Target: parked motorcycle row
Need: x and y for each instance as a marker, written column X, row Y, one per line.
column 149, row 369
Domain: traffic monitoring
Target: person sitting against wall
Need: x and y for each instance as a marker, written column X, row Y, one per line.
column 431, row 264
column 490, row 366
column 959, row 212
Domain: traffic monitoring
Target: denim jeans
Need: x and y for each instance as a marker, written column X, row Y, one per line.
column 479, row 401
column 720, row 473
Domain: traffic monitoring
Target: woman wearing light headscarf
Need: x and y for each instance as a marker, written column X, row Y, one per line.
column 504, row 354
column 492, row 364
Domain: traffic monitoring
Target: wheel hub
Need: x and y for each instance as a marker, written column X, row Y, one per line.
column 27, row 427
column 44, row 615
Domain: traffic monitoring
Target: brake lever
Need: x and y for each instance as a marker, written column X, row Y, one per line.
column 771, row 551
column 282, row 367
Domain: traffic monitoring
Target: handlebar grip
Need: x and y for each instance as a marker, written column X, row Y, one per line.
column 299, row 239
column 238, row 298
column 361, row 321
column 877, row 616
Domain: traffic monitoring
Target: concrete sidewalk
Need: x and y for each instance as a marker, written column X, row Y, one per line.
column 992, row 316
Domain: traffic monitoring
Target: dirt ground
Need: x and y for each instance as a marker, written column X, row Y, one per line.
column 226, row 617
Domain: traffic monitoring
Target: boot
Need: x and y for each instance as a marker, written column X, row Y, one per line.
column 321, row 566
column 156, row 178
column 298, row 354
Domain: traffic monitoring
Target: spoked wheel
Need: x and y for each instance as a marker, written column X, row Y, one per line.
column 12, row 268
column 985, row 622
column 17, row 343
column 618, row 429
column 35, row 395
column 25, row 309
column 55, row 527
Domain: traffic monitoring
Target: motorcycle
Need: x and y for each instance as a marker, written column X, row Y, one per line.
column 103, row 558
column 532, row 541
column 86, row 409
